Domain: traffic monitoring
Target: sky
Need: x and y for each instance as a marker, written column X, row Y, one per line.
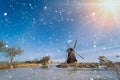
column 46, row 27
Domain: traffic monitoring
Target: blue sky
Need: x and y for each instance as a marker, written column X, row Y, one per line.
column 45, row 27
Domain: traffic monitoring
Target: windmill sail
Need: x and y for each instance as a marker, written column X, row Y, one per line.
column 75, row 44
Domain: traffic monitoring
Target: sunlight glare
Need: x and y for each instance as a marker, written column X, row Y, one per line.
column 110, row 5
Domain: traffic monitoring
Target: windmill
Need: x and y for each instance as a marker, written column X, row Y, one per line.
column 71, row 54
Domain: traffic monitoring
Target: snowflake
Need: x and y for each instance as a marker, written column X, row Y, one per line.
column 33, row 38
column 104, row 48
column 6, row 20
column 45, row 7
column 58, row 51
column 10, row 5
column 44, row 23
column 6, row 46
column 5, row 14
column 24, row 4
column 50, row 37
column 30, row 4
column 71, row 19
column 94, row 46
column 69, row 41
column 56, row 11
column 93, row 14
column 41, row 20
column 33, row 19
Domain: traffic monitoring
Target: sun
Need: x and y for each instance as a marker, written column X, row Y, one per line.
column 104, row 13
column 110, row 5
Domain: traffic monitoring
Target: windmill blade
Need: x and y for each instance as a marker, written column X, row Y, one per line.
column 78, row 54
column 75, row 44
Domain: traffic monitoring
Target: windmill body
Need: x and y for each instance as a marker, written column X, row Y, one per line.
column 71, row 56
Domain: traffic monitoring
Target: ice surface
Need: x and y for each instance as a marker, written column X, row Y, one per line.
column 53, row 73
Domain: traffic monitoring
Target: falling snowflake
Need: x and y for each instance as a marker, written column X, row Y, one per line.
column 30, row 4
column 6, row 46
column 5, row 14
column 94, row 46
column 45, row 7
column 93, row 14
column 69, row 41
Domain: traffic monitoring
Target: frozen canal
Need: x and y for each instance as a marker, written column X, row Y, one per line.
column 54, row 73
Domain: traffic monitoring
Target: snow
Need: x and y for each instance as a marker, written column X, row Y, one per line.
column 94, row 46
column 45, row 7
column 6, row 46
column 69, row 41
column 93, row 14
column 5, row 14
column 30, row 4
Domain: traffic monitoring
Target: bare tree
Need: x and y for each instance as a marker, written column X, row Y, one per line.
column 12, row 52
column 102, row 59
